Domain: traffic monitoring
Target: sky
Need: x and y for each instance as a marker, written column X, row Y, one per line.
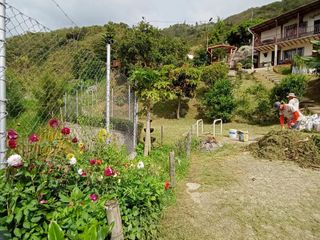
column 160, row 13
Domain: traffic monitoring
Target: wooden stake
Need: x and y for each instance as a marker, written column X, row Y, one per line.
column 113, row 215
column 172, row 170
column 188, row 147
column 161, row 135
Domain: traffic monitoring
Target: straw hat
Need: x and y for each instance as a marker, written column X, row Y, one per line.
column 291, row 95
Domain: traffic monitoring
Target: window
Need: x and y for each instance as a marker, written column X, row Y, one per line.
column 303, row 28
column 290, row 31
column 288, row 54
column 316, row 26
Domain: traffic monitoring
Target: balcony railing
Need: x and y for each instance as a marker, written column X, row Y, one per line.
column 292, row 34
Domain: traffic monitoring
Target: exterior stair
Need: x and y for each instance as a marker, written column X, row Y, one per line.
column 269, row 74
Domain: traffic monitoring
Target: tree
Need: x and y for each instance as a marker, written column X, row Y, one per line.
column 218, row 33
column 219, row 101
column 314, row 61
column 239, row 34
column 294, row 83
column 184, row 81
column 150, row 88
column 214, row 72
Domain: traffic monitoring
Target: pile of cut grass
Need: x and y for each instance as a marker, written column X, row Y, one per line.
column 288, row 145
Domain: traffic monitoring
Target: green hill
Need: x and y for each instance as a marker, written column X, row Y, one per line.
column 267, row 11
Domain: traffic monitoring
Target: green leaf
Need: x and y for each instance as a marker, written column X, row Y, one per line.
column 18, row 215
column 36, row 219
column 55, row 232
column 17, row 232
column 26, row 225
column 76, row 194
column 9, row 218
column 63, row 198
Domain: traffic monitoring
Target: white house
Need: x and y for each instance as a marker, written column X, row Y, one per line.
column 278, row 39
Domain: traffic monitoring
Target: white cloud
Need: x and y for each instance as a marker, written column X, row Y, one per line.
column 159, row 12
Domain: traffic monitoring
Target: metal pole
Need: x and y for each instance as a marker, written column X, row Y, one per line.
column 3, row 112
column 135, row 120
column 108, row 90
column 129, row 102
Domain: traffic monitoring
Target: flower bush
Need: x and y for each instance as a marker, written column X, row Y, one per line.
column 53, row 178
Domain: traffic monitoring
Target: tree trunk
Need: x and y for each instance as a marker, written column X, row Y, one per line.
column 147, row 140
column 179, row 106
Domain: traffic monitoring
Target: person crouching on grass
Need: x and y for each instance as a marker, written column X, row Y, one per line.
column 289, row 113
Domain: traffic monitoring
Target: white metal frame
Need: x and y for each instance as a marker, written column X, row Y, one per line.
column 200, row 121
column 214, row 127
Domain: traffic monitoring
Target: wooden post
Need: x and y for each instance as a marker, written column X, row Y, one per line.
column 172, row 170
column 113, row 215
column 188, row 147
column 161, row 135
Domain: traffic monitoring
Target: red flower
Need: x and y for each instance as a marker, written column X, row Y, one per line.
column 93, row 161
column 74, row 140
column 83, row 174
column 33, row 138
column 166, row 185
column 54, row 123
column 108, row 172
column 12, row 143
column 43, row 201
column 93, row 197
column 12, row 134
column 65, row 131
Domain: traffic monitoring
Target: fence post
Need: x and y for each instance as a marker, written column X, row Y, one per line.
column 113, row 216
column 172, row 170
column 129, row 102
column 135, row 120
column 3, row 112
column 65, row 107
column 189, row 140
column 108, row 89
column 77, row 105
column 161, row 135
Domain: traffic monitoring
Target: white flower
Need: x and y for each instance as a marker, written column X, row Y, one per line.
column 73, row 161
column 15, row 160
column 80, row 171
column 140, row 165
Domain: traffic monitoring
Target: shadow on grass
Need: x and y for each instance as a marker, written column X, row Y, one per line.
column 167, row 109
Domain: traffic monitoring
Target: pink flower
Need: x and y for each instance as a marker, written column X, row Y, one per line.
column 65, row 131
column 43, row 201
column 74, row 140
column 54, row 123
column 12, row 134
column 166, row 185
column 93, row 197
column 108, row 172
column 33, row 138
column 12, row 143
column 93, row 161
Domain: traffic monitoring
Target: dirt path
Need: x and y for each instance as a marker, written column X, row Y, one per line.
column 230, row 195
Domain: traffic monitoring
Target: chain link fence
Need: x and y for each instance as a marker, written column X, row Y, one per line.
column 53, row 74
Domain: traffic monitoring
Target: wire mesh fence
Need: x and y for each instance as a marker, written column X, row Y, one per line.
column 52, row 74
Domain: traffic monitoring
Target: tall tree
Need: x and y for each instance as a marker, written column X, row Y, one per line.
column 239, row 34
column 184, row 81
column 150, row 88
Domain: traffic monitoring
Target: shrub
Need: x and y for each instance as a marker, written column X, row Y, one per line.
column 219, row 101
column 49, row 95
column 214, row 72
column 284, row 69
column 291, row 83
column 57, row 181
column 15, row 96
column 254, row 105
